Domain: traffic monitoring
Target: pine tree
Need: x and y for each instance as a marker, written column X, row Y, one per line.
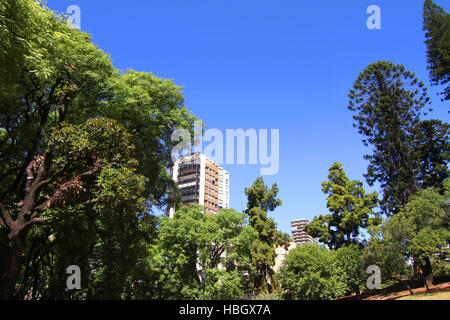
column 432, row 151
column 388, row 100
column 436, row 25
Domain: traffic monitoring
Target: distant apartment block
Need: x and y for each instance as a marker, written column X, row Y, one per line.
column 201, row 181
column 298, row 234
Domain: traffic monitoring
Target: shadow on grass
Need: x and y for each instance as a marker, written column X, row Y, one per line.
column 388, row 293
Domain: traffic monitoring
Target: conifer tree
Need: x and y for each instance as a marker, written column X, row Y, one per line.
column 351, row 209
column 436, row 25
column 387, row 100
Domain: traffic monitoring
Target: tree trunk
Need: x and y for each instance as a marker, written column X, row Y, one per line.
column 428, row 273
column 416, row 271
column 410, row 289
column 8, row 287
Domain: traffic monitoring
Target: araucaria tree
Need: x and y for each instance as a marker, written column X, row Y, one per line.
column 436, row 24
column 351, row 209
column 387, row 100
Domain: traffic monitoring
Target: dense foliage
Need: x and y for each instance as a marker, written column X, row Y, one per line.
column 312, row 272
column 193, row 242
column 422, row 229
column 351, row 209
column 261, row 200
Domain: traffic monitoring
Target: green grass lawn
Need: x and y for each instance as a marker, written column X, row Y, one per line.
column 442, row 295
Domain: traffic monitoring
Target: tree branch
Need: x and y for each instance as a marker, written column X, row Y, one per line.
column 68, row 186
column 31, row 223
column 32, row 183
column 35, row 221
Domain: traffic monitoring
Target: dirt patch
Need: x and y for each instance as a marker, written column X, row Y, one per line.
column 437, row 288
column 441, row 295
column 402, row 289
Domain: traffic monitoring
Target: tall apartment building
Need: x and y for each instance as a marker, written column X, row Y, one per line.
column 200, row 180
column 298, row 234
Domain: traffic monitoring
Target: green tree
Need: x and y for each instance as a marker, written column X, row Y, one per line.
column 312, row 272
column 55, row 75
column 87, row 168
column 422, row 229
column 388, row 100
column 436, row 24
column 387, row 255
column 350, row 261
column 350, row 208
column 193, row 241
column 261, row 200
column 72, row 80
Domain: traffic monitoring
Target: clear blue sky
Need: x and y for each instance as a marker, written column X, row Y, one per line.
column 284, row 65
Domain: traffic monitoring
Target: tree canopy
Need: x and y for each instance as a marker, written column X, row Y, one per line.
column 193, row 242
column 422, row 228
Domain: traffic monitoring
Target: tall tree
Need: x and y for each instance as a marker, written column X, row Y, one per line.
column 436, row 24
column 388, row 100
column 57, row 74
column 51, row 75
column 351, row 209
column 261, row 200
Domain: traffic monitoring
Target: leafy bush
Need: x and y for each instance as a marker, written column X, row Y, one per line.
column 312, row 272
